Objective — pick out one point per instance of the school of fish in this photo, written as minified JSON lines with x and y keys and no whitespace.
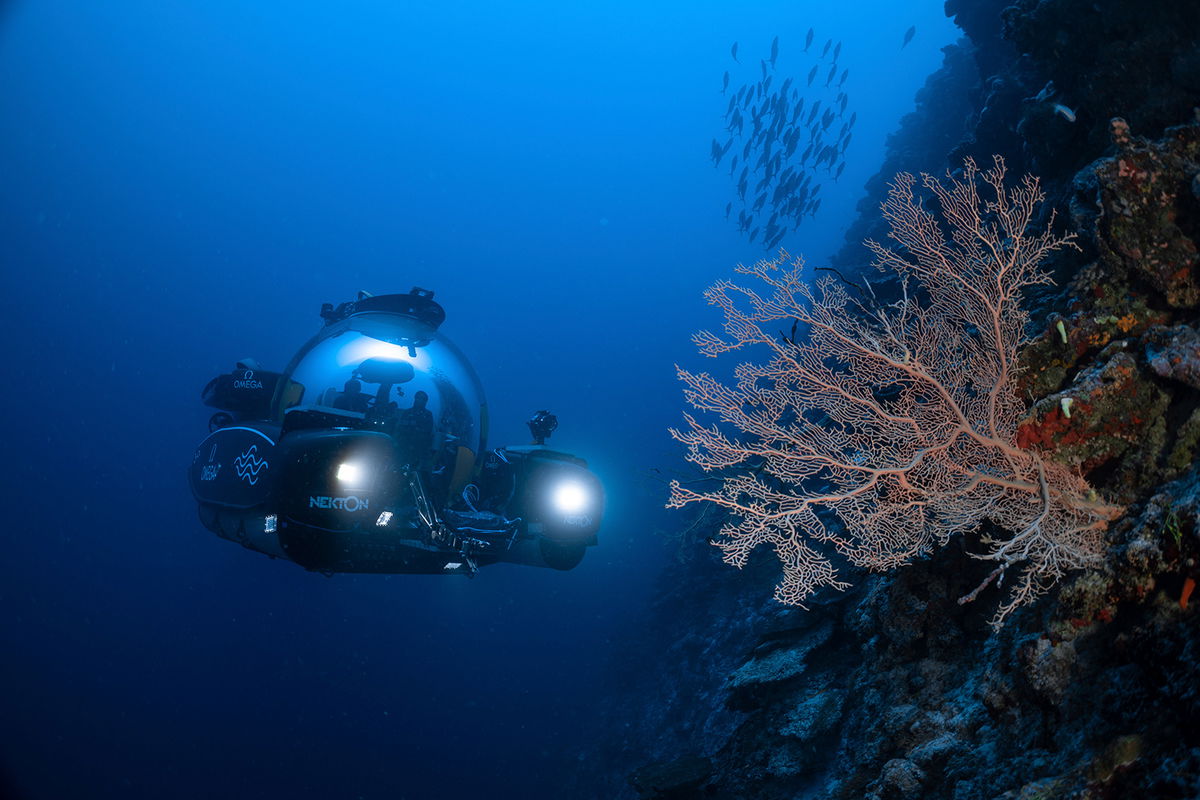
{"x":782,"y":138}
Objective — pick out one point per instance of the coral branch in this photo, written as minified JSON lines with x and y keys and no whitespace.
{"x":884,"y":430}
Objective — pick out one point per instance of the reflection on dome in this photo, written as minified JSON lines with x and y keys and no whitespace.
{"x":360,"y":349}
{"x":353,"y":366}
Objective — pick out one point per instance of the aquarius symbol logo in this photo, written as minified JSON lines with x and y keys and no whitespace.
{"x":248,"y":465}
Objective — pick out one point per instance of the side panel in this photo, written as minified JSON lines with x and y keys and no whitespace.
{"x":235,"y":467}
{"x":253,"y":529}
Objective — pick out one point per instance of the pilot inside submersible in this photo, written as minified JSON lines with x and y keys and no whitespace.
{"x":369,"y":453}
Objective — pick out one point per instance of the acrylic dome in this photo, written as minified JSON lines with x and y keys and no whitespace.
{"x":392,"y":356}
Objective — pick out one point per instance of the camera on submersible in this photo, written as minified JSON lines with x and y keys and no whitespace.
{"x":368,"y":453}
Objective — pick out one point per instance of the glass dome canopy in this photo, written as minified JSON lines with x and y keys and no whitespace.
{"x":385,"y":350}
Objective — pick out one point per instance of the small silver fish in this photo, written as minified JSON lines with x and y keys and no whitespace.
{"x":1064,"y":112}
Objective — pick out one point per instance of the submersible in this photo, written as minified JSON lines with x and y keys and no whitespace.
{"x":368,"y":453}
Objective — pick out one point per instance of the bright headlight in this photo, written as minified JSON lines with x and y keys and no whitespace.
{"x":349,"y":472}
{"x":570,"y":497}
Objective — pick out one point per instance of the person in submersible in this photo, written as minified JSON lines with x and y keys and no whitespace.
{"x":414,"y":430}
{"x":352,"y":398}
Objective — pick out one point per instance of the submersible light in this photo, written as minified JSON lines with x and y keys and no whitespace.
{"x":349,"y":472}
{"x":570,"y":497}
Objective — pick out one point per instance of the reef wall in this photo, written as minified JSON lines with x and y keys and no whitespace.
{"x":893,"y":689}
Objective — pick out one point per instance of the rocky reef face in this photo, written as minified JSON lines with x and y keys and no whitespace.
{"x":894,"y":689}
{"x":898,"y":692}
{"x":1116,"y":367}
{"x":1037,"y":82}
{"x":1118,"y":58}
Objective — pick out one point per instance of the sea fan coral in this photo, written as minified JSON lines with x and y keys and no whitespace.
{"x":885,"y":429}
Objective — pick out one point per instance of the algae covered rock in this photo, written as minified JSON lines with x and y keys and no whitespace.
{"x":1112,"y":415}
{"x":1048,"y":668}
{"x":814,"y":715}
{"x":1175,"y":353}
{"x":901,"y":779}
{"x":1145,"y":199}
{"x":774,"y":663}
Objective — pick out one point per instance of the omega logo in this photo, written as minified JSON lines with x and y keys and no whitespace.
{"x":247,"y":381}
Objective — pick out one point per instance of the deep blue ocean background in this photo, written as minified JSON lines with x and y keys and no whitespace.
{"x":182,"y":184}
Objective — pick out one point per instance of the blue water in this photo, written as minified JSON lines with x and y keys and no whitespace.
{"x":182,"y":185}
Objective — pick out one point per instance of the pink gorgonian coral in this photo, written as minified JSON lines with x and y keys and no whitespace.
{"x":877,"y":431}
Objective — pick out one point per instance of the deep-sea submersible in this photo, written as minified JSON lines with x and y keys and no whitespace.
{"x":369,"y":454}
